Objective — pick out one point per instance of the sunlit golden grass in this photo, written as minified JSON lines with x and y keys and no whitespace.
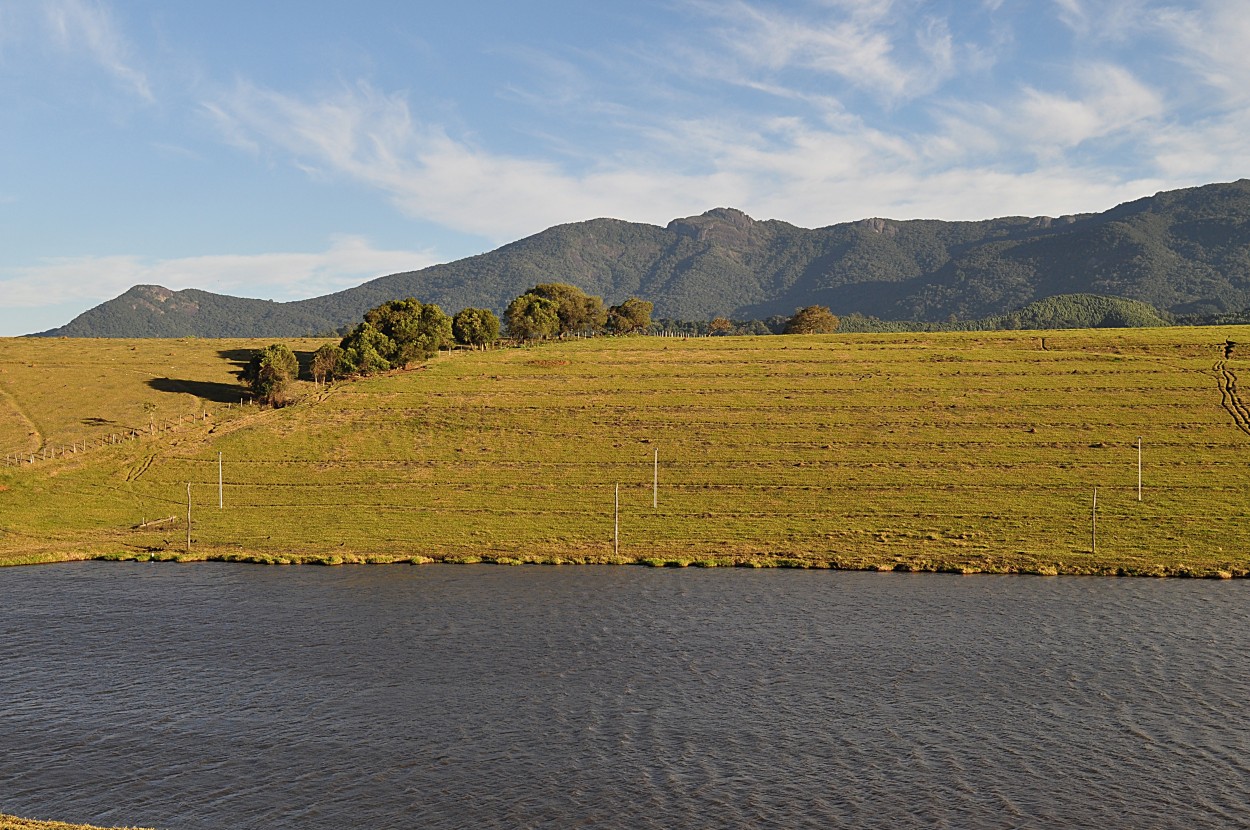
{"x":15,"y":823}
{"x":956,"y":452}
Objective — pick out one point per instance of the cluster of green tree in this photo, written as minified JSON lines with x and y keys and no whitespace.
{"x":815,"y":319}
{"x":398,"y":333}
{"x":1230,"y":318}
{"x":723,"y":326}
{"x":719,"y":326}
{"x":395,"y":333}
{"x":1068,"y":311}
{"x":552,"y":309}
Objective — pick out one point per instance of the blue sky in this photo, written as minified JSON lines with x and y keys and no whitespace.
{"x":288,"y":149}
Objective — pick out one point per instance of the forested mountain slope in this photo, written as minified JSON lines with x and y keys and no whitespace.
{"x":1183,"y":251}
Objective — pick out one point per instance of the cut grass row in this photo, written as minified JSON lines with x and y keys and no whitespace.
{"x":955,"y":452}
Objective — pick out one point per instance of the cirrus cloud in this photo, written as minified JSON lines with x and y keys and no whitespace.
{"x":80,"y":25}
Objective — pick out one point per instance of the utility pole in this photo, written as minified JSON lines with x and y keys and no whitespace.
{"x":1139,"y":468}
{"x":1093,"y":525}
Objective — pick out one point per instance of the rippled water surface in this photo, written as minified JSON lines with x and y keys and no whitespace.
{"x":214,"y":696}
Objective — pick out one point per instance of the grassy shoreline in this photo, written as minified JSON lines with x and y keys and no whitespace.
{"x":8,"y":822}
{"x":990,"y":565}
{"x":947,"y":452}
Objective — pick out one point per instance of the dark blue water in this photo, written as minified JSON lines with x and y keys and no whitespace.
{"x":212,"y":696}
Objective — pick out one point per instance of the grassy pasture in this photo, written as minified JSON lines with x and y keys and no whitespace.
{"x":954,"y":452}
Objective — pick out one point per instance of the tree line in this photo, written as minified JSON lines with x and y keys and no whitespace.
{"x":400,"y":333}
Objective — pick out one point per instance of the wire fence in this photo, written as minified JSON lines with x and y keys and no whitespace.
{"x":51,"y":452}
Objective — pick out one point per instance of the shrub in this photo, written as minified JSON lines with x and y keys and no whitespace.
{"x":270,"y":372}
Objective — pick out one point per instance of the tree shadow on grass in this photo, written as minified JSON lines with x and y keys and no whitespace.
{"x":206,"y":390}
{"x":305,"y":365}
{"x":238,"y":357}
{"x":241,"y":357}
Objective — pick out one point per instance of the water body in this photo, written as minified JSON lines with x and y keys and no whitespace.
{"x":212,"y":696}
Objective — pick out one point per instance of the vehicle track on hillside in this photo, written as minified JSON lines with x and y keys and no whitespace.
{"x":245,"y":421}
{"x":1229,"y":399}
{"x":36,"y":432}
{"x":142,"y":467}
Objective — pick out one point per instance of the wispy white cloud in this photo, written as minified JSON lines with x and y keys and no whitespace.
{"x":1107,"y":100}
{"x":90,"y":27}
{"x":372,"y":137}
{"x":347,"y":262}
{"x":781,"y":167}
{"x":1199,"y":150}
{"x":1109,"y":20}
{"x":874,"y":46}
{"x":1116,"y":102}
{"x":178,"y":151}
{"x":1073,"y":14}
{"x":1197,"y":50}
{"x":935,"y":40}
{"x":1211,"y":42}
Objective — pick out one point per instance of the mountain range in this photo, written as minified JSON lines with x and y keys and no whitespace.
{"x":1184,"y":252}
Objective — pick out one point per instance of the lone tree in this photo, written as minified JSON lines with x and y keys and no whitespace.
{"x":630,"y":316}
{"x":720,"y":325}
{"x":530,"y":316}
{"x":475,"y":327}
{"x":577,"y":310}
{"x":270,"y":372}
{"x":815,"y":319}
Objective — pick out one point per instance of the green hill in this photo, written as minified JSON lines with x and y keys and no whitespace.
{"x":1077,"y":311}
{"x":1185,"y":252}
{"x":954,"y":451}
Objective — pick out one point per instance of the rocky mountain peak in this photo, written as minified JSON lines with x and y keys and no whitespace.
{"x":727,"y":226}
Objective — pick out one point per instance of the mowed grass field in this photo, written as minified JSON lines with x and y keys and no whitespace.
{"x":959,"y":452}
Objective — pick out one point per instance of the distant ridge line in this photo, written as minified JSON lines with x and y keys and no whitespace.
{"x":1184,"y":252}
